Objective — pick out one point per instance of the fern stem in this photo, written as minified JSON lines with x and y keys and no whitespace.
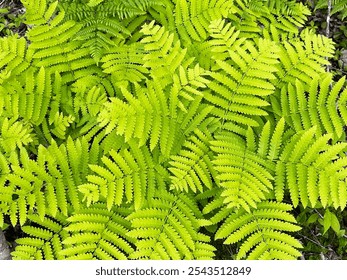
{"x":327,"y":31}
{"x":339,"y":70}
{"x":4,"y":248}
{"x":313,"y":241}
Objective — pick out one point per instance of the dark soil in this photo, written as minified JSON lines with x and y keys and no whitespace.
{"x":16,"y":10}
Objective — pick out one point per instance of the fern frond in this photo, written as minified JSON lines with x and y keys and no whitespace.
{"x":131,"y":8}
{"x":63,"y":33}
{"x":303,"y":58}
{"x":14,"y":134}
{"x":153,"y":116}
{"x":97,"y":35}
{"x":164,"y":53}
{"x":192,"y":18}
{"x":79,"y":10}
{"x":29,"y":98}
{"x":98,"y":233}
{"x":192,"y":167}
{"x":125,"y":63}
{"x":13,"y":55}
{"x":128,"y":175}
{"x":42,"y":184}
{"x":239,"y":87}
{"x":255,"y":17}
{"x":319,"y":106}
{"x":89,"y":102}
{"x":142,"y":118}
{"x":308,"y":168}
{"x":168,"y":229}
{"x":244,"y":175}
{"x":43,"y":240}
{"x":59,"y":124}
{"x":59,"y":50}
{"x":93,"y":3}
{"x":38,"y":12}
{"x":262,"y":232}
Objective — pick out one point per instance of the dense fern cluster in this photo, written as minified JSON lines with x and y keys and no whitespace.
{"x":149,"y":129}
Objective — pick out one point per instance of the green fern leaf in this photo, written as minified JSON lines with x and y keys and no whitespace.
{"x":244,"y":175}
{"x":97,"y":233}
{"x":38,"y":12}
{"x":168,"y":229}
{"x":130,"y":175}
{"x":303,"y":59}
{"x":13,"y":55}
{"x":164,"y":53}
{"x":306,"y":167}
{"x":192,"y":17}
{"x":192,"y":168}
{"x":125,"y":63}
{"x":14,"y":134}
{"x":242,"y":82}
{"x":263,"y":228}
{"x":318,"y":109}
{"x":43,"y":239}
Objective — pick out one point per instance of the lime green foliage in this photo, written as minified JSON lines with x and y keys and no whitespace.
{"x":152,"y":129}
{"x":263,"y":231}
